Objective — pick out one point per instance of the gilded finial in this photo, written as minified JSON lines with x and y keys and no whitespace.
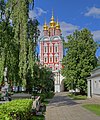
{"x":52,"y":18}
{"x":45,"y":25}
{"x":57,"y":24}
{"x":52,"y":22}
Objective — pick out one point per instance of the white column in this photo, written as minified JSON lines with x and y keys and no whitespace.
{"x":89,"y":94}
{"x":91,"y":88}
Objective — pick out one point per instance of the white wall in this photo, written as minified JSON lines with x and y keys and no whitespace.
{"x":96,"y":85}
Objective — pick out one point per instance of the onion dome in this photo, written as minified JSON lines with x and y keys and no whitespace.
{"x":57,"y":25}
{"x":52,"y":22}
{"x":45,"y":27}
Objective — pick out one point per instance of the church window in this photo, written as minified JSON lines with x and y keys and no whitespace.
{"x":56,"y":59}
{"x":45,"y":50}
{"x":50,"y":59}
{"x":50,"y":48}
{"x":56,"y":49}
{"x":45,"y":59}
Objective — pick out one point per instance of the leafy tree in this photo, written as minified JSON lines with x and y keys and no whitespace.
{"x":32,"y":42}
{"x":18,"y":40}
{"x":19,"y":16}
{"x":79,"y":60}
{"x":7,"y":44}
{"x":42,"y":78}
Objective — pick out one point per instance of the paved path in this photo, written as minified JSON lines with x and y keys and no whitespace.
{"x":63,"y":108}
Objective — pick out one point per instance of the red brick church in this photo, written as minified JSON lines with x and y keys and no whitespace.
{"x":51,"y":50}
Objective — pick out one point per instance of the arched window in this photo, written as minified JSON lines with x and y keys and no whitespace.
{"x":56,"y":48}
{"x":56,"y":59}
{"x":50,"y":59}
{"x":45,"y":49}
{"x":50,"y":49}
{"x":45,"y":59}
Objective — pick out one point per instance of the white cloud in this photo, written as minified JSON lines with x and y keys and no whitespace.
{"x":95,"y":12}
{"x":96,"y":35}
{"x":67,"y":29}
{"x":40,"y":11}
{"x":36,"y":13}
{"x":32,"y":14}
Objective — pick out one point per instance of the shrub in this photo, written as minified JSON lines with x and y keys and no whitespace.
{"x":50,"y":95}
{"x":16,"y":110}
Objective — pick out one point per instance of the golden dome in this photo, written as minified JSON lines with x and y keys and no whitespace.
{"x":52,"y":22}
{"x":57,"y":25}
{"x":45,"y":27}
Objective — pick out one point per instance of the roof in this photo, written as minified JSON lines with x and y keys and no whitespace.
{"x":98,"y":67}
{"x":94,"y":73}
{"x":47,"y":38}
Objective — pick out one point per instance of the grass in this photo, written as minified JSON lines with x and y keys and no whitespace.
{"x":95,"y":108}
{"x":77,"y":97}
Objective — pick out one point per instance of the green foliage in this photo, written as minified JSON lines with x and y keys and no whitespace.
{"x":7,"y":45}
{"x":79,"y":60}
{"x":93,"y":107}
{"x":77,"y":97}
{"x":42,"y":78}
{"x":39,"y":117}
{"x":50,"y":95}
{"x":16,"y":109}
{"x":17,"y":47}
{"x":31,"y":47}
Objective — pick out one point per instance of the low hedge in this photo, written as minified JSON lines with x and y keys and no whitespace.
{"x":16,"y":110}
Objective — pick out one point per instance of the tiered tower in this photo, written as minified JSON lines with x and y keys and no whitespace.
{"x":51,"y":50}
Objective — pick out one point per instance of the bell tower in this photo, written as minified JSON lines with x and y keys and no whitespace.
{"x":51,"y":50}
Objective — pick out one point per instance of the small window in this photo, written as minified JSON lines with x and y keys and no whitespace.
{"x":56,"y":49}
{"x":50,"y":59}
{"x":45,"y":50}
{"x":56,"y":59}
{"x":45,"y":60}
{"x":50,"y":48}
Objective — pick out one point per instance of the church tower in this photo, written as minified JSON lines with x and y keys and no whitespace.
{"x":51,"y":50}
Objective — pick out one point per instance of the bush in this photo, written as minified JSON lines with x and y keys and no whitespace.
{"x":50,"y":95}
{"x":16,"y":110}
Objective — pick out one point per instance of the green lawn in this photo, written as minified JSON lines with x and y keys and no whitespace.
{"x":93,"y":107}
{"x":77,"y":97}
